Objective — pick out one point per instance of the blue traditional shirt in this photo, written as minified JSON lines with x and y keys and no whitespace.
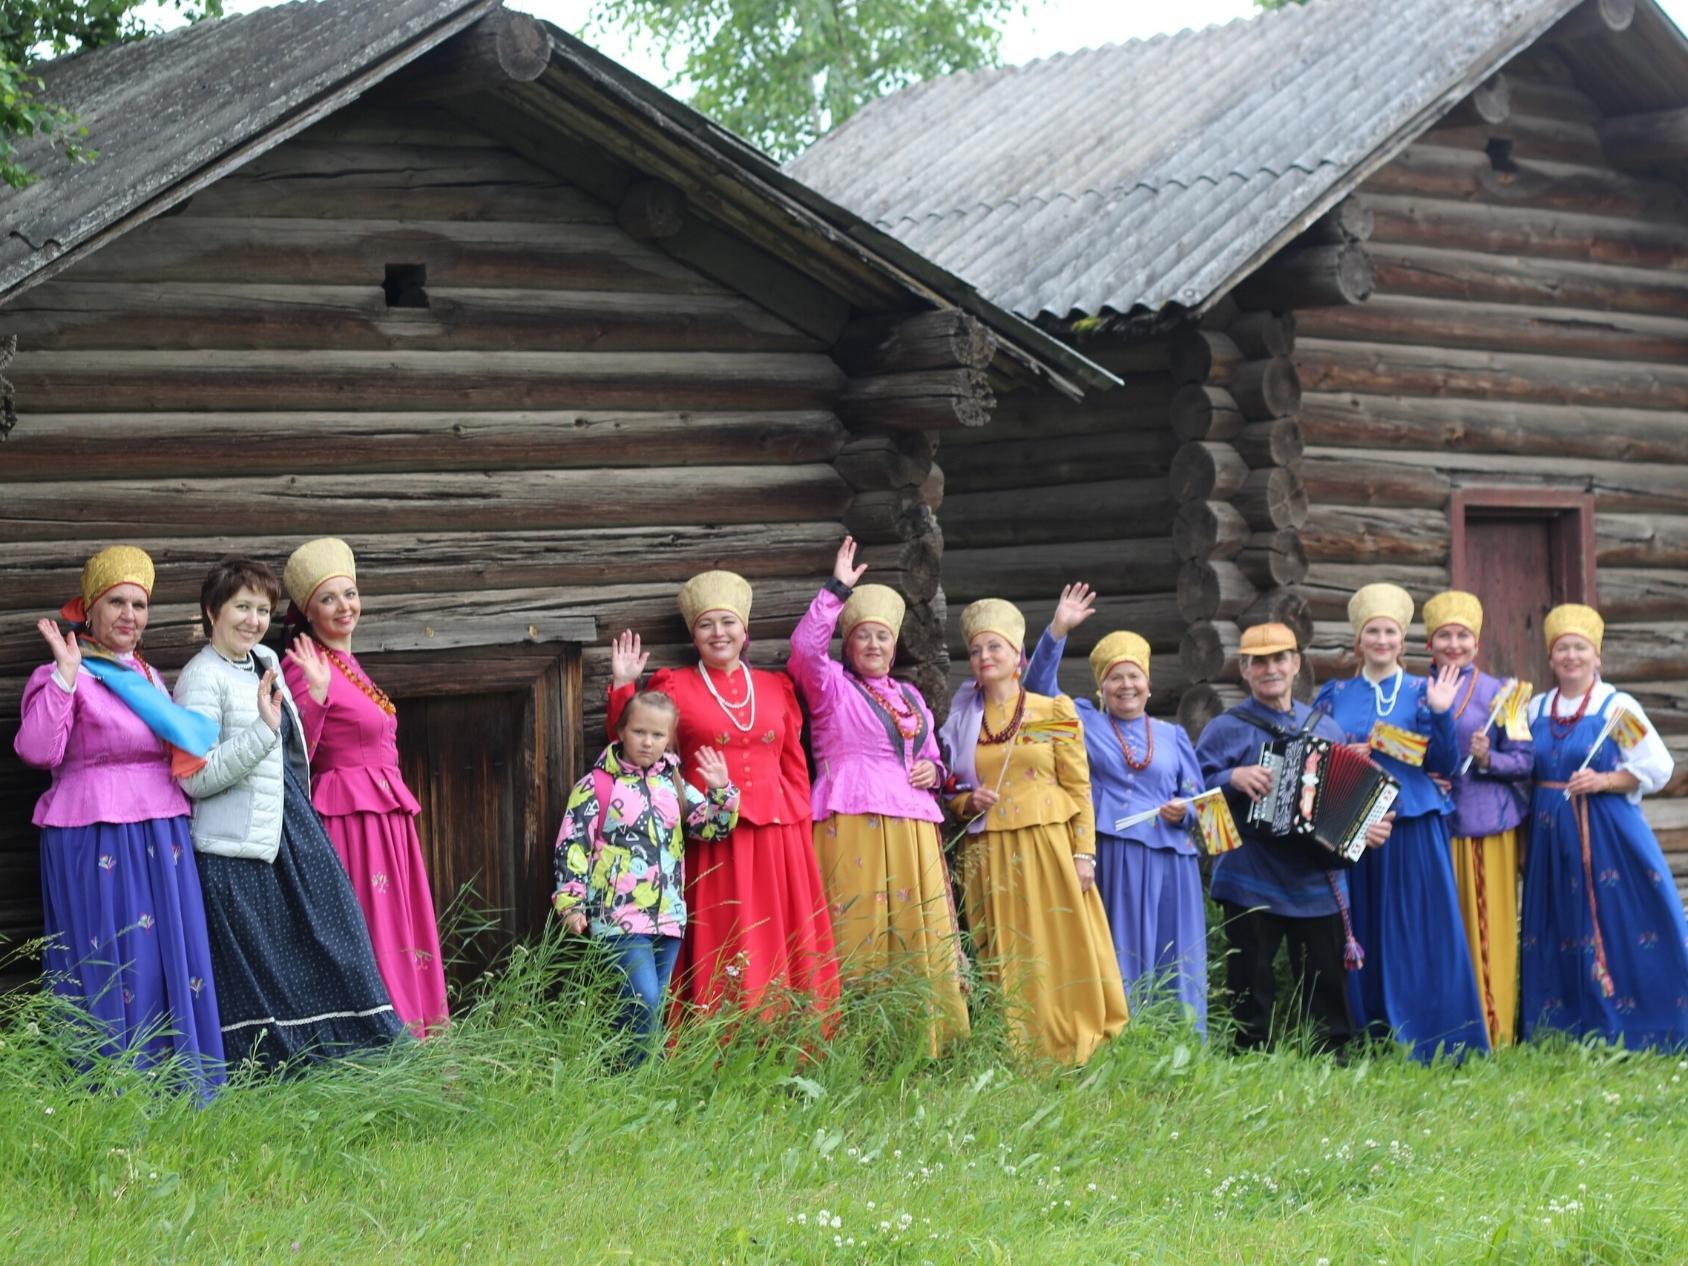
{"x":1283,"y":878}
{"x":1354,"y":705}
{"x":1117,"y":790}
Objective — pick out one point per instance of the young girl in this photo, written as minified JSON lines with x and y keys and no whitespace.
{"x":619,"y":853}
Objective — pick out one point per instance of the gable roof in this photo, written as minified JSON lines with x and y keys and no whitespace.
{"x":174,"y":112}
{"x":1157,"y":174}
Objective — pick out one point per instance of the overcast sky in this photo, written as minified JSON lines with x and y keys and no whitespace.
{"x":1048,"y":26}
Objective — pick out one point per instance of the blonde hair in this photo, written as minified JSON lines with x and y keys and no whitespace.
{"x":650,"y":699}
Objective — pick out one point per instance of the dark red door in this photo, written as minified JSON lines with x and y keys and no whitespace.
{"x":1509,"y":567}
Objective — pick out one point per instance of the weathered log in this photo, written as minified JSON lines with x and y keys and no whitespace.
{"x":502,"y":49}
{"x":533,"y":500}
{"x":1665,"y":702}
{"x":1201,"y":412}
{"x":1200,"y":704}
{"x":299,"y":251}
{"x":1489,"y":105}
{"x":1213,"y":590}
{"x":737,"y":261}
{"x":1644,"y":540}
{"x":1262,"y":335}
{"x":1504,"y":327}
{"x":1044,"y":414}
{"x":1485,"y":229}
{"x":1036,"y":571}
{"x":1343,"y":533}
{"x":1407,"y":478}
{"x":165,"y":445}
{"x":166,"y":317}
{"x":1208,"y":651}
{"x":1473,"y":276}
{"x":1592,"y":18}
{"x":1204,"y":471}
{"x":932,"y":489}
{"x":1537,"y":138}
{"x":1349,"y":420}
{"x":944,"y":338}
{"x":877,"y":462}
{"x":1265,"y":389}
{"x":1348,"y":221}
{"x":1281,"y":606}
{"x":1059,"y":459}
{"x":1153,"y":617}
{"x":919,"y":400}
{"x":131,"y":382}
{"x":1115,"y":508}
{"x":1382,"y":369}
{"x":40,"y":573}
{"x":1329,"y":585}
{"x":1271,"y":499}
{"x":1275,"y":443}
{"x":1434,"y":171}
{"x":897,"y":514}
{"x":651,"y":210}
{"x":1128,"y":359}
{"x":1272,"y":559}
{"x":1311,"y":277}
{"x":1640,"y":140}
{"x":1208,"y":529}
{"x":1198,"y":356}
{"x":1643,"y":594}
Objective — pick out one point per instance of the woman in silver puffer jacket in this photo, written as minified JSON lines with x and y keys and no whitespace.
{"x":296,"y":977}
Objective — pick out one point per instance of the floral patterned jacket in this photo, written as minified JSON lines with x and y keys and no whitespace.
{"x":620,"y":851}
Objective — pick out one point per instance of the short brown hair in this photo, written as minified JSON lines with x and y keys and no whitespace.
{"x":228,"y":578}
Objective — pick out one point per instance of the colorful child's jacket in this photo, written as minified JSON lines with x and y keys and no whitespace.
{"x":619,"y":852}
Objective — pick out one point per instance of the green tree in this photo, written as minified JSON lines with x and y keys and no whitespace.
{"x":36,"y":30}
{"x":785,"y":72}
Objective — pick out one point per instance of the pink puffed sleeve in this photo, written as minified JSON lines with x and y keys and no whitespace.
{"x":49,"y":711}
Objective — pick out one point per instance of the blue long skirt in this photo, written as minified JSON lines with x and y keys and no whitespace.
{"x":126,"y":941}
{"x":297,"y":980}
{"x":1643,"y":938}
{"x":1417,"y":983}
{"x":1158,"y":921}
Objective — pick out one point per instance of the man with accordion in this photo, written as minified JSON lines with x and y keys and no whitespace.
{"x":1286,"y":887}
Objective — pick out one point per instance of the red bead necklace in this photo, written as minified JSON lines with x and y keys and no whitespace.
{"x":907,"y":720}
{"x":991,"y":737}
{"x":1562,"y":726}
{"x":371,"y":691}
{"x":1125,"y":748}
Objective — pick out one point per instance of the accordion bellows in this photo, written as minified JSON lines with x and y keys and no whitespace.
{"x":1324,"y":792}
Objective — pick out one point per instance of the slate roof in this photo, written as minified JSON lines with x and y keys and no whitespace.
{"x":1158,"y":173}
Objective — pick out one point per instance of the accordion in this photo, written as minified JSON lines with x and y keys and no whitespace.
{"x":1322,"y":792}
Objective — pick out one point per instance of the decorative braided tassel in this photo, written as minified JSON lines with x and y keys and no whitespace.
{"x":1353,"y":956}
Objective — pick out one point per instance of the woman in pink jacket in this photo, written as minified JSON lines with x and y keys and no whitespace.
{"x":877,"y":767}
{"x":351,"y":735}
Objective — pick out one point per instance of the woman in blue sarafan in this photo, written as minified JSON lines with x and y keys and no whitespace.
{"x":1604,"y":942}
{"x":1416,"y":983}
{"x":1148,"y":874}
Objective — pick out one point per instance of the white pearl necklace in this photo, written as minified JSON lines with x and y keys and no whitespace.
{"x":749,"y":698}
{"x":1385,"y":708}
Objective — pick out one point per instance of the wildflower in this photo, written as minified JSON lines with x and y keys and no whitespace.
{"x":48,"y":1111}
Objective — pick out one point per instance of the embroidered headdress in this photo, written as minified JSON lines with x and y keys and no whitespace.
{"x":115,"y":565}
{"x":1380,"y":601}
{"x":1573,"y":617}
{"x":1117,"y":648}
{"x":994,"y":615}
{"x":1454,"y":606}
{"x":875,"y":604}
{"x":313,"y":563}
{"x":715,"y":591}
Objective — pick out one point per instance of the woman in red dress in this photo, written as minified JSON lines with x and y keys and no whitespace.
{"x":759,"y":927}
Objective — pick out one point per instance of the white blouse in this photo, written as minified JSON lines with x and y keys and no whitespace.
{"x":1649,"y":760}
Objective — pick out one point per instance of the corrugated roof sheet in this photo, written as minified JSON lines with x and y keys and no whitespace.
{"x":1159,"y":172}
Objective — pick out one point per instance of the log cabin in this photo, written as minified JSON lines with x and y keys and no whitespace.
{"x":1398,"y":290}
{"x":536,"y":339}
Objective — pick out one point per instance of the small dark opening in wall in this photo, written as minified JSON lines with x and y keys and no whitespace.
{"x":405,"y":286}
{"x":1500,"y":154}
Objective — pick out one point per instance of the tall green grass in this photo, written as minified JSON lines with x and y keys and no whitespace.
{"x":513,"y":1138}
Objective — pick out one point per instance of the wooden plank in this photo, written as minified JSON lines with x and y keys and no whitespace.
{"x":40,"y":575}
{"x":1484,"y":278}
{"x":1345,"y":533}
{"x":1563,"y":235}
{"x":1437,"y":171}
{"x":282,"y":251}
{"x":164,"y":316}
{"x":1650,"y":540}
{"x":1125,"y":508}
{"x":127,"y":382}
{"x":1056,"y":460}
{"x":1329,"y":585}
{"x":1331,"y":365}
{"x":165,"y":445}
{"x":1034,"y":571}
{"x":515,"y":500}
{"x":1355,"y":420}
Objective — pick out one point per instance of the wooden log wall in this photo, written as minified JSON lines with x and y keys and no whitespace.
{"x":524,"y":417}
{"x":1529,"y":329}
{"x":1048,"y":492}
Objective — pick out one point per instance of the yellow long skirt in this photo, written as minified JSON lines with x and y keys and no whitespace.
{"x":1042,"y":942}
{"x":892,"y":913}
{"x":1486,"y":870}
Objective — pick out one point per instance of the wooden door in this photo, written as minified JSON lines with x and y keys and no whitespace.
{"x":492,"y":771}
{"x":1522,"y":553}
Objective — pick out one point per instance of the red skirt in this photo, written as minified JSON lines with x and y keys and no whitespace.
{"x":757,"y":927}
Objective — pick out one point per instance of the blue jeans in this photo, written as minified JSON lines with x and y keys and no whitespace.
{"x":645,"y":963}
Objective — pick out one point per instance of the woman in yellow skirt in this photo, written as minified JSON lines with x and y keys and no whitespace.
{"x":1029,"y":867}
{"x":875,"y":808}
{"x":1489,"y":804}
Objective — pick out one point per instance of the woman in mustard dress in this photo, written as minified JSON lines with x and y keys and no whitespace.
{"x":1029,"y":865}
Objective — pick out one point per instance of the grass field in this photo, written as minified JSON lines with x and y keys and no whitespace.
{"x":511,"y":1139}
